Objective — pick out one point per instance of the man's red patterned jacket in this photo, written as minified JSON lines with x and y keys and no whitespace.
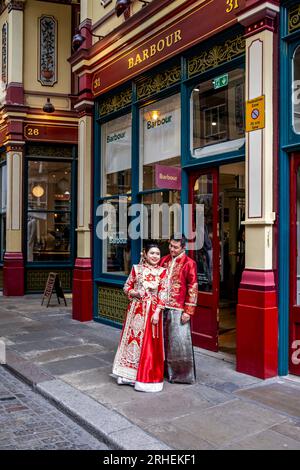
{"x":182,"y":283}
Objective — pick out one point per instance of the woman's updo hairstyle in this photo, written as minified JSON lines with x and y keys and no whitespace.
{"x":150,"y":245}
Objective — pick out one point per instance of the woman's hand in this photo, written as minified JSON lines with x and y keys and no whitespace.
{"x":155,"y":318}
{"x":135,"y":294}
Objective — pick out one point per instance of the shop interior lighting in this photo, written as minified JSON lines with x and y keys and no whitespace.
{"x":155,"y":115}
{"x":38,"y":191}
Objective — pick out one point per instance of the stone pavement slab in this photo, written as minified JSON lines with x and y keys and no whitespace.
{"x":28,"y":371}
{"x":89,"y":379}
{"x":67,"y":366}
{"x":280,"y":396}
{"x":266,"y":440}
{"x":63,"y":353}
{"x":222,"y":424}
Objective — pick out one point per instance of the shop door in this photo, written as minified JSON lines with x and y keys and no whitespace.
{"x":204,"y":200}
{"x":295,"y":267}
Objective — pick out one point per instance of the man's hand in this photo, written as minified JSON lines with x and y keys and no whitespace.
{"x":155,"y":318}
{"x":185,"y":317}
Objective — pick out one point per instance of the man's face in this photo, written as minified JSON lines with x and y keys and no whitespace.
{"x":175,"y":248}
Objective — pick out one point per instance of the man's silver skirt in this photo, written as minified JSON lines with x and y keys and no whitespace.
{"x":179,"y":353}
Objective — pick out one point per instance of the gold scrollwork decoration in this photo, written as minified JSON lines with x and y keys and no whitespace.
{"x":216,"y":56}
{"x":158,"y":82}
{"x":112,"y":303}
{"x":115,"y":102}
{"x":294,"y":18}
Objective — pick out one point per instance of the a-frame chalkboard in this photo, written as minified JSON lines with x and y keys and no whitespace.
{"x":53,"y":282}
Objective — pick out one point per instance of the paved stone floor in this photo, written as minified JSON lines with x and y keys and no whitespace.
{"x":223,"y":410}
{"x":28,"y":421}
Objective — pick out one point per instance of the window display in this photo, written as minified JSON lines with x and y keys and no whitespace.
{"x":217,"y":110}
{"x":159,"y":139}
{"x":48,"y":211}
{"x":116,"y":156}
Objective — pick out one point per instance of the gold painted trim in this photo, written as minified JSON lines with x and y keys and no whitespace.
{"x":159,"y":82}
{"x":294,"y":18}
{"x":216,"y":56}
{"x":53,"y":118}
{"x":115,"y":102}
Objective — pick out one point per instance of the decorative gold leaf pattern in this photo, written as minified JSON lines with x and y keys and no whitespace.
{"x":36,"y":279}
{"x":112,"y":304}
{"x":294,"y":18}
{"x":216,"y":56}
{"x":158,"y":82}
{"x":115,"y":102}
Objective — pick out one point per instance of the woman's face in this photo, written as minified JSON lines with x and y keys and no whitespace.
{"x":153,"y":256}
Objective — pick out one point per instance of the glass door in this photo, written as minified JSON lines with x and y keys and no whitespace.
{"x":205,"y":251}
{"x":294,"y":366}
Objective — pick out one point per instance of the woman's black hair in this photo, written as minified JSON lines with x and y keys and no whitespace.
{"x":150,"y":245}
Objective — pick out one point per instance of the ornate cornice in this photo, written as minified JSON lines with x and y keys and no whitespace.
{"x":115,"y":102}
{"x":15,"y":5}
{"x":216,"y":56}
{"x":294,"y":18}
{"x":15,"y":147}
{"x":158,"y":82}
{"x":260,"y":17}
{"x":3,"y":6}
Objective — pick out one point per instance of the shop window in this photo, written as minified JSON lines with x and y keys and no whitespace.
{"x":49,"y":211}
{"x":159,"y":143}
{"x":3,"y":200}
{"x":217,"y":115}
{"x":113,"y":230}
{"x":296,"y":87}
{"x":116,"y":156}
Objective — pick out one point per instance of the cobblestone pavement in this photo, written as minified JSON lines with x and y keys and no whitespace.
{"x":28,"y":421}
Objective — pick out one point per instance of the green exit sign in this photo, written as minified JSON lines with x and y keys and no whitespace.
{"x":220,"y":81}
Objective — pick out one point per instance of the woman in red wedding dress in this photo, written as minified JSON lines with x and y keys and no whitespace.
{"x":139,"y":359}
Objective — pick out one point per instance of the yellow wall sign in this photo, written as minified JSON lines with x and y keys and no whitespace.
{"x":255,"y":114}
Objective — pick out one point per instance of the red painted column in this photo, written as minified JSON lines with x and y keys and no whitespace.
{"x":13,"y":274}
{"x":257,"y":325}
{"x":82,"y":276}
{"x":82,"y":308}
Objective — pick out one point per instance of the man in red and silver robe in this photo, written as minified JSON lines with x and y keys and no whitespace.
{"x":182,"y":292}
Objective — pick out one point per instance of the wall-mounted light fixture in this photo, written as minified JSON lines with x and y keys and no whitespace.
{"x":48,"y":107}
{"x":78,"y":39}
{"x":122,"y":5}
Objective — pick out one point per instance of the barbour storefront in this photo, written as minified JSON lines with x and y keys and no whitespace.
{"x":169,"y":118}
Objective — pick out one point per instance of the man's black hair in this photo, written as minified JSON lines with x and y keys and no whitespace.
{"x":179,"y":238}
